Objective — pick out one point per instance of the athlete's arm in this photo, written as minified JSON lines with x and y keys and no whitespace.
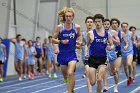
{"x":55,"y":48}
{"x":55,"y":35}
{"x":13,"y":40}
{"x":115,"y":38}
{"x":110,"y":41}
{"x":133,"y":38}
{"x":34,"y":53}
{"x":78,"y":40}
{"x":125,"y":40}
{"x":42,"y":51}
{"x":88,"y":37}
{"x":136,"y":43}
{"x":25,"y":51}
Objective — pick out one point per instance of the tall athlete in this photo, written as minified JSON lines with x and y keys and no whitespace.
{"x":51,"y":58}
{"x":135,"y":50}
{"x":89,"y":25}
{"x":66,"y":35}
{"x":20,"y":54}
{"x":111,"y":54}
{"x":97,"y":39}
{"x":115,"y":23}
{"x":127,"y":53}
{"x":39,"y":56}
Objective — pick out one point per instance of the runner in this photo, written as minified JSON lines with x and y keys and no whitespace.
{"x":135,"y":50}
{"x":89,"y":25}
{"x":97,"y":39}
{"x":20,"y":51}
{"x":66,"y":35}
{"x":31,"y":59}
{"x":127,"y":53}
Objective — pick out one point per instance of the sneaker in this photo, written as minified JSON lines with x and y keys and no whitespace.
{"x":72,"y":91}
{"x":50,"y":76}
{"x":24,"y":76}
{"x":128,"y":82}
{"x":36,"y":73}
{"x":20,"y":79}
{"x":105,"y":90}
{"x":115,"y":89}
{"x":83,"y":76}
{"x":55,"y":75}
{"x":32,"y":78}
{"x":42,"y":74}
{"x":65,"y":81}
{"x":131,"y":80}
{"x":134,"y":80}
{"x":47,"y":72}
{"x":1,"y":79}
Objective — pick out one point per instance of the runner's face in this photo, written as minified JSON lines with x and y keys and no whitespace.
{"x":107,"y":25}
{"x":98,"y":23}
{"x":50,"y":40}
{"x":89,"y":24}
{"x":115,"y":25}
{"x":45,"y":40}
{"x":124,"y":27}
{"x":133,"y":30}
{"x":30,"y":43}
{"x":69,"y":17}
{"x":19,"y":38}
{"x":38,"y":39}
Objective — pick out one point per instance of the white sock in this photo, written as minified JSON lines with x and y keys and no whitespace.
{"x":116,"y":88}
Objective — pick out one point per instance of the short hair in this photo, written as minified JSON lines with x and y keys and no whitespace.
{"x":49,"y":36}
{"x":29,"y":41}
{"x":37,"y":37}
{"x":98,"y":16}
{"x":0,"y":38}
{"x":115,"y":19}
{"x":18,"y":35}
{"x":124,"y":23}
{"x":132,"y":27}
{"x":89,"y":17}
{"x":23,"y":39}
{"x":106,"y":20}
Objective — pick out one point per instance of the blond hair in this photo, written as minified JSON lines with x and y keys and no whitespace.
{"x":62,"y":12}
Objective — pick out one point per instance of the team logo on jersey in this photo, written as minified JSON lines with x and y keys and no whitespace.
{"x":72,"y":35}
{"x":105,"y":40}
{"x":102,"y":40}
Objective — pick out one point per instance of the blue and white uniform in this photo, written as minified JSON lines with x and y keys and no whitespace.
{"x":111,"y":54}
{"x":129,"y":50}
{"x":31,"y":57}
{"x":50,"y":53}
{"x":19,"y":51}
{"x":67,"y":52}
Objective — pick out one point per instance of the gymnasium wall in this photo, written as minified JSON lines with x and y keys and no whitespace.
{"x":124,"y":10}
